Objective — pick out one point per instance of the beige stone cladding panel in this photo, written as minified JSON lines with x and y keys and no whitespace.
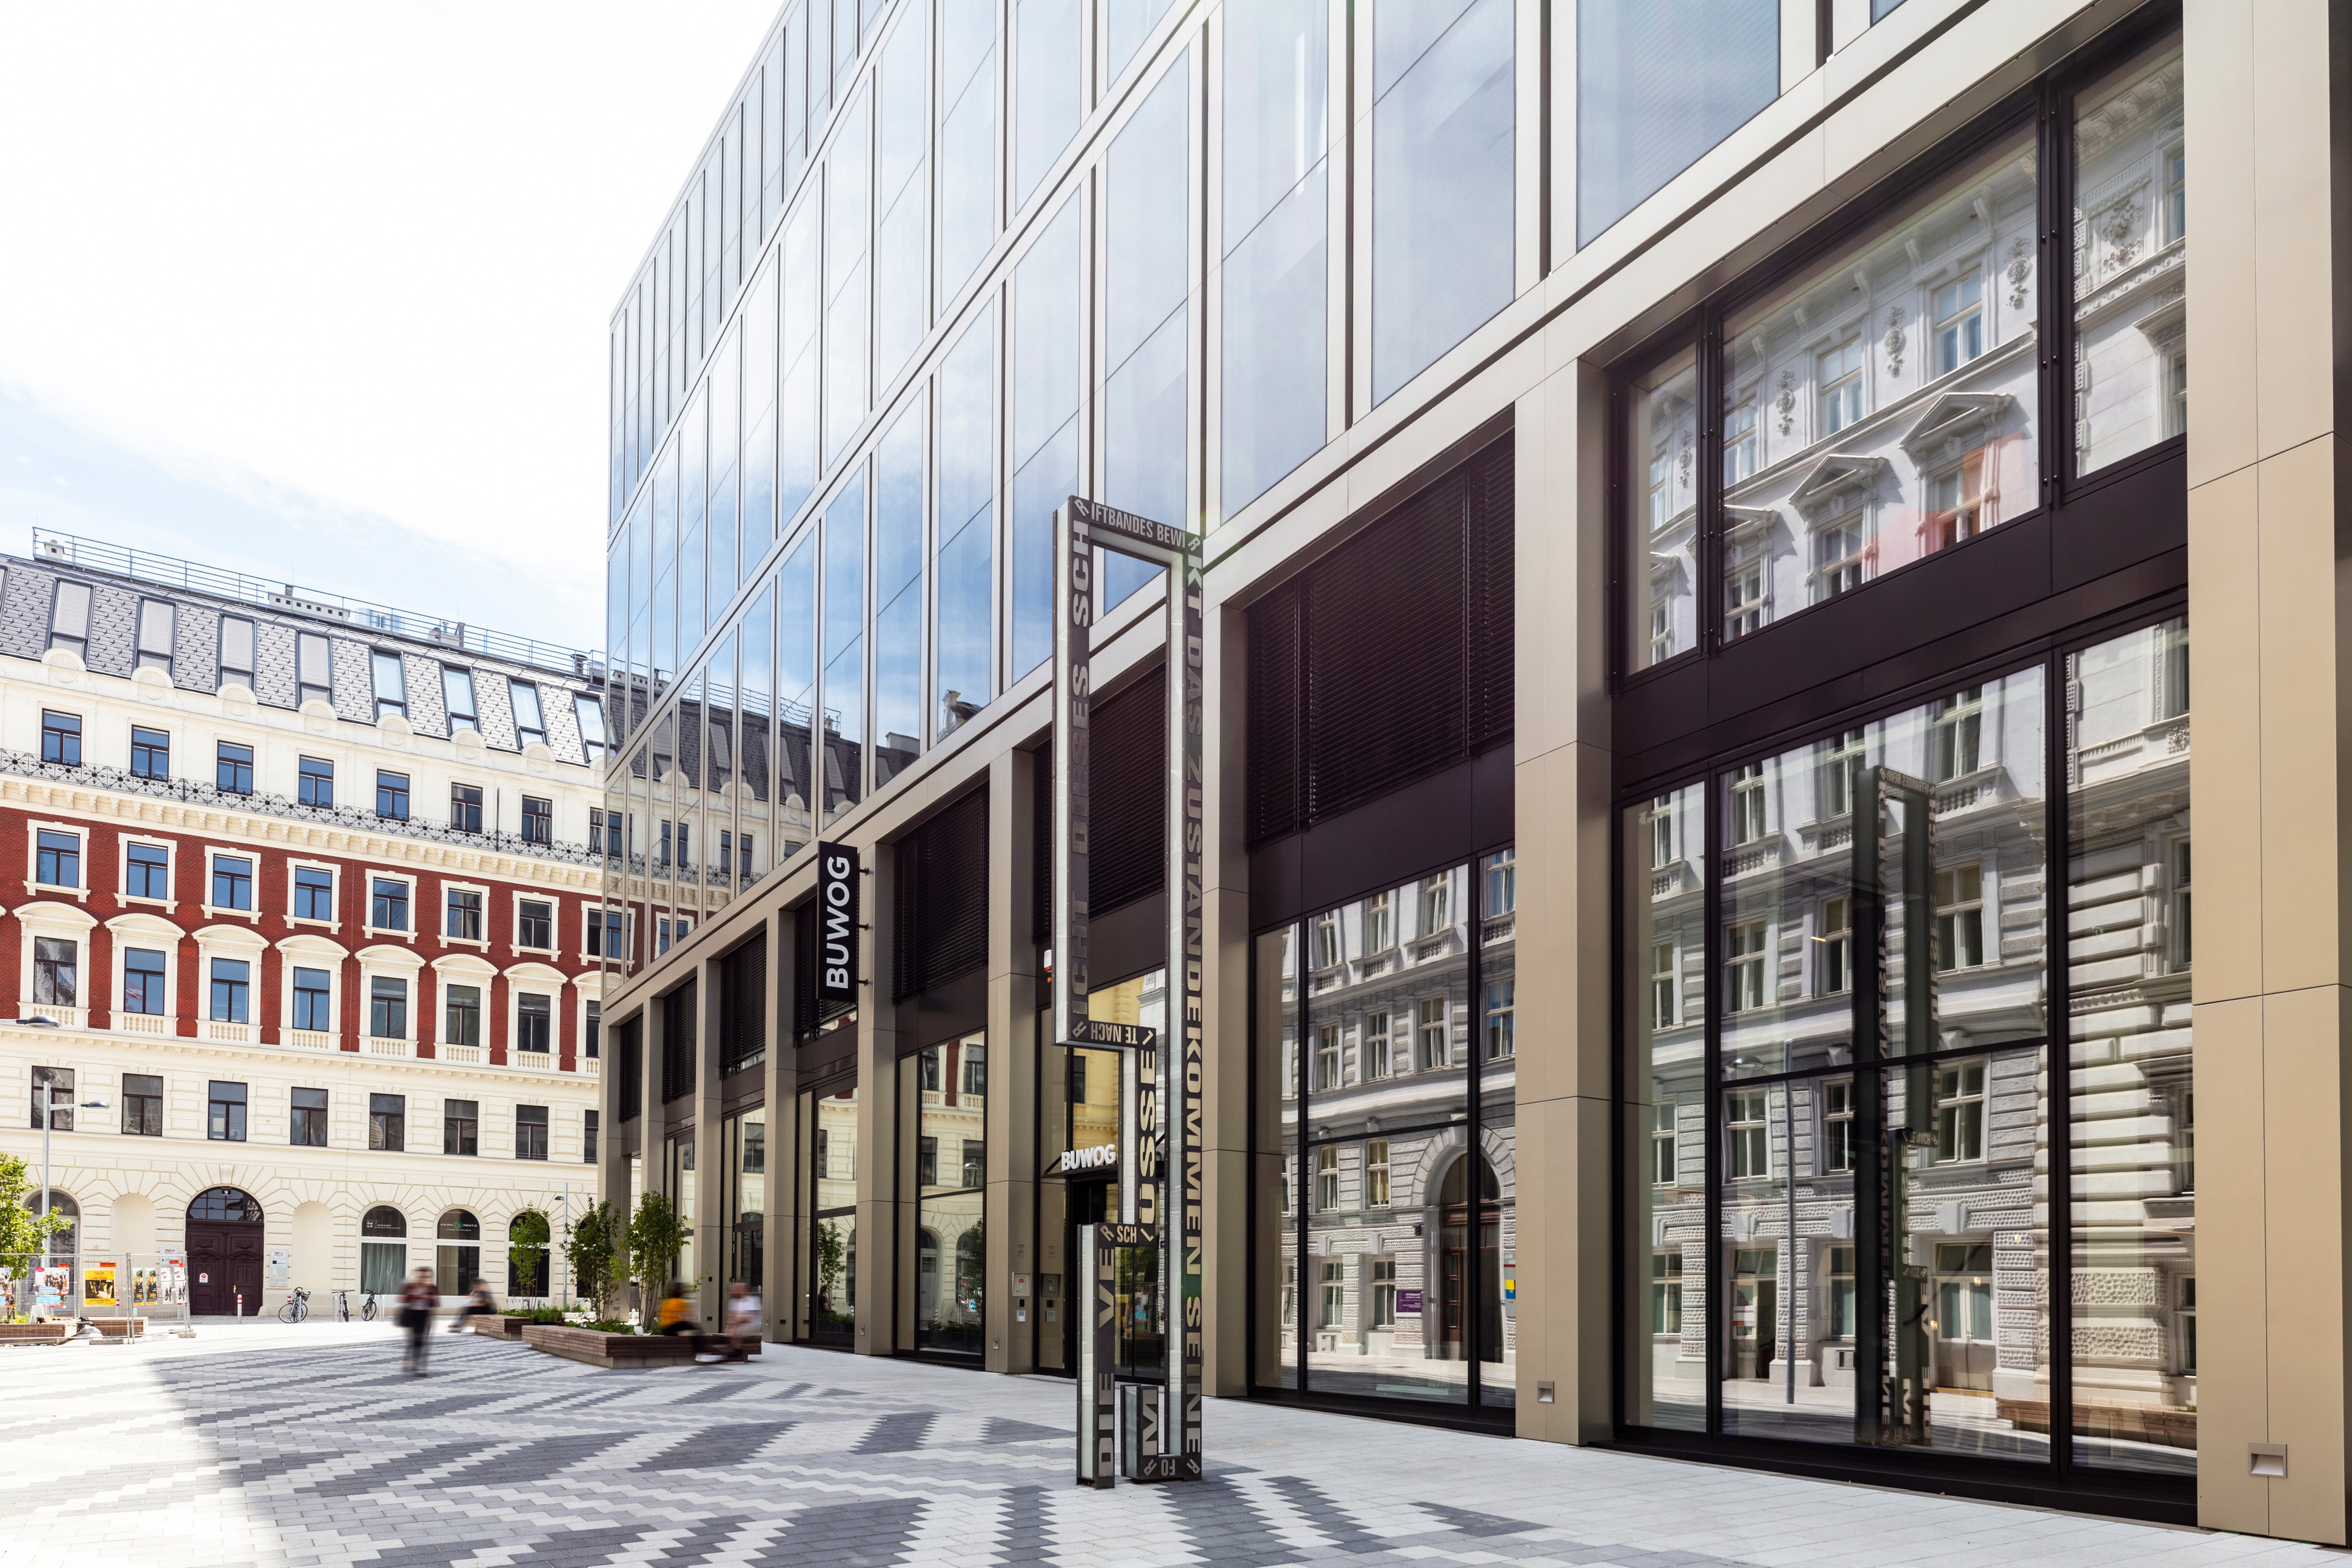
{"x":2225,"y":773}
{"x":2301,"y":620}
{"x":2302,"y":1213}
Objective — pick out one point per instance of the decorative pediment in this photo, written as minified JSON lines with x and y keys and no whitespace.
{"x":2166,"y":325}
{"x":1742,"y":524}
{"x":1836,"y":482}
{"x":1953,"y":423}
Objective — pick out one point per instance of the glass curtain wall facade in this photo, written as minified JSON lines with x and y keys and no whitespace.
{"x":1879,"y":981}
{"x":1386,"y":1039}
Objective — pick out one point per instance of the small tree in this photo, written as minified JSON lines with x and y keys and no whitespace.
{"x":832,"y":1261}
{"x":24,"y":1235}
{"x":527,"y":1248}
{"x":656,"y":1237}
{"x":591,"y":1253}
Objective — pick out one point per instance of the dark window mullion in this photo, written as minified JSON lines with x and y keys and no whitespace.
{"x":1709,"y":414}
{"x":2054,"y":155}
{"x":2058,"y":1053}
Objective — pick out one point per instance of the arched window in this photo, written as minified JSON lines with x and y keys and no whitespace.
{"x":1455,"y":1190}
{"x":459,"y":1225}
{"x":225,"y":1204}
{"x":384,"y":1249}
{"x":458,"y":1260}
{"x":530,"y":1281}
{"x":63,"y":1244}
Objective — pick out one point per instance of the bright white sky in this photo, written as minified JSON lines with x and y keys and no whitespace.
{"x":319,"y":291}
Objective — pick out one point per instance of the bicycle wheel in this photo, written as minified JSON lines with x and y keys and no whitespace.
{"x":290,"y":1313}
{"x":367,"y":1313}
{"x":342,"y":1310}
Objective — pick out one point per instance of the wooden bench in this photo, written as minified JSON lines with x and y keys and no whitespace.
{"x":57,"y":1330}
{"x":500,"y":1326}
{"x":620,"y":1349}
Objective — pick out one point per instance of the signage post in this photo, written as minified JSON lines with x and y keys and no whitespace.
{"x":1160,"y":1079}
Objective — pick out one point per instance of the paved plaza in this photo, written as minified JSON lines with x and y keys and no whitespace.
{"x":268,"y":1444}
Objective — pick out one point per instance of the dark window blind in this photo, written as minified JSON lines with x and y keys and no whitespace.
{"x":742,"y":1005}
{"x":940,"y":923}
{"x":808,"y":1013}
{"x":1128,"y":845}
{"x":677,"y":1043}
{"x":631,"y":1059}
{"x":1387,"y":660}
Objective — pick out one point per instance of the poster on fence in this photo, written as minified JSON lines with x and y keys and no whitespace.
{"x":50,"y":1286}
{"x":97,"y":1285}
{"x":142,"y":1287}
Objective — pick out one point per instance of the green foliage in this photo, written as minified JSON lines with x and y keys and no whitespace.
{"x":594,"y":1253}
{"x":539,"y":1315}
{"x":23,"y":1233}
{"x":831,"y":1262}
{"x":610,"y":1325}
{"x":526,"y":1244}
{"x":656,"y":1237}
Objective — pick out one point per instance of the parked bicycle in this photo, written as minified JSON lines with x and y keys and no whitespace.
{"x":342,"y":1306}
{"x":297,"y":1307}
{"x":367,"y":1310}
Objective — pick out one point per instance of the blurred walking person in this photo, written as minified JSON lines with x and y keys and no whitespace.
{"x":416,"y":1300}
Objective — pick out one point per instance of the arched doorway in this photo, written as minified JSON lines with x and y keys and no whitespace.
{"x":1458,"y":1253}
{"x":384,"y":1250}
{"x":224,"y":1253}
{"x":458,"y":1257}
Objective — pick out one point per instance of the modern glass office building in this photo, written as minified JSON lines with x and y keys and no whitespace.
{"x":1704,"y":529}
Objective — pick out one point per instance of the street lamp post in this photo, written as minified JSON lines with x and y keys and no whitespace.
{"x":49,"y":1114}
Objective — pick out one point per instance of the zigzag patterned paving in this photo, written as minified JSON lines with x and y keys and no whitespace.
{"x":284,"y":1447}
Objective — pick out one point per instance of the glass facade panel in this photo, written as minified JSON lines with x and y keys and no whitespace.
{"x":759,"y":524}
{"x":902,"y":201}
{"x":967,"y":529}
{"x":755,"y":723}
{"x":1393,"y":1214}
{"x":1144,"y":430}
{"x":2132,"y":1099}
{"x":1665,"y":1122}
{"x":1657,"y":85}
{"x":796,"y":689}
{"x":693,"y":449}
{"x":1442,"y":191}
{"x":898,"y":597}
{"x":831,"y":1130}
{"x":720,"y":514}
{"x":1883,"y":408}
{"x":967,"y":141}
{"x":1126,"y":24}
{"x":948,"y":1181}
{"x":1662,"y":523}
{"x":1274,"y":333}
{"x":797,"y":400}
{"x":2131,"y":261}
{"x":1048,"y":87}
{"x":1048,"y":371}
{"x":844,"y":647}
{"x":746,"y":1197}
{"x":849,"y":202}
{"x":663,"y":657}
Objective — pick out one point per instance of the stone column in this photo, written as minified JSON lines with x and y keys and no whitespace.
{"x":1010,"y":1207}
{"x":788,"y":1171}
{"x":878,"y":1308}
{"x":1564,"y":772}
{"x":2270,"y":621}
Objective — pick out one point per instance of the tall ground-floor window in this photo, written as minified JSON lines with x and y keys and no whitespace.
{"x":1408,"y":1223}
{"x":943,"y":1094}
{"x":1840,"y":1226}
{"x":828,"y":1219}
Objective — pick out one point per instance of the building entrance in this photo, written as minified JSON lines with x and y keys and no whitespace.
{"x":1455,"y":1259}
{"x":224,"y":1253}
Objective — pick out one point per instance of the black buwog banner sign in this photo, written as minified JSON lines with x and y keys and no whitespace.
{"x":836,"y":933}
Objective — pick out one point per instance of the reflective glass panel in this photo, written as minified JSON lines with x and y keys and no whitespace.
{"x":797,"y":399}
{"x":2133,"y":1093}
{"x":1882,"y":410}
{"x":967,"y":526}
{"x":1046,"y":375}
{"x":1144,"y":428}
{"x":1126,"y":24}
{"x":898,"y":596}
{"x":1664,"y":1119}
{"x":1662,"y":544}
{"x":755,"y":733}
{"x":967,"y":140}
{"x":2131,"y":261}
{"x":1442,"y":178}
{"x":902,"y":238}
{"x":832,"y":1154}
{"x":1273,"y":334}
{"x":951,"y":1173}
{"x":1658,"y":84}
{"x":844,"y":647}
{"x":726,"y":442}
{"x":759,"y":525}
{"x":796,"y":690}
{"x":1048,"y":80}
{"x":847,"y":203}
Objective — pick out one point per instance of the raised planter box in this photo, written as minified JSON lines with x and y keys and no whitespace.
{"x":120,"y":1328}
{"x":501,"y":1327}
{"x":54,"y":1332}
{"x":2128,"y":1423}
{"x":618,"y":1350}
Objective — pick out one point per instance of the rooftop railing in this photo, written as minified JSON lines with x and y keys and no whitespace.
{"x":360,"y":616}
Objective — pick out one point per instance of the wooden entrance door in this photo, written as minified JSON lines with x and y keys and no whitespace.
{"x":223,"y":1259}
{"x":1452,"y":1284}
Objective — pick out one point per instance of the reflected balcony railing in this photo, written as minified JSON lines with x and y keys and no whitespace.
{"x":195,"y":792}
